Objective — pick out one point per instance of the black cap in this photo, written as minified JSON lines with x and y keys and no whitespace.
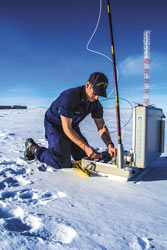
{"x":99,"y":82}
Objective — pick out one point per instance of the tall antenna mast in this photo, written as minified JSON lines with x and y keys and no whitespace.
{"x":120,"y":149}
{"x":146,"y":41}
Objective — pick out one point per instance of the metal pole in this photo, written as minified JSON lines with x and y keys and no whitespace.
{"x":120,"y":153}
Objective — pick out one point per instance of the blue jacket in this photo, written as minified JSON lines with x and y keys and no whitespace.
{"x":72,"y":103}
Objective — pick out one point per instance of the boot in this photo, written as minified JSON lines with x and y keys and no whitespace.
{"x":31,"y":148}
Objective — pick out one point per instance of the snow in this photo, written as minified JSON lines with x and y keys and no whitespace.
{"x":43,"y":208}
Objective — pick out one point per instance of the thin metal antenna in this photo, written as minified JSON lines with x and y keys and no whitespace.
{"x":146,"y":41}
{"x":120,"y":153}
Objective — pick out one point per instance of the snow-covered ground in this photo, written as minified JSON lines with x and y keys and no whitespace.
{"x":41,"y":208}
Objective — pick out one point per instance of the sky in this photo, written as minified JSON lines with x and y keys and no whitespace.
{"x":43,"y":49}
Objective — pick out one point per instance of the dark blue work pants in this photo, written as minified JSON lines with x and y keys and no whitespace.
{"x":60,"y":148}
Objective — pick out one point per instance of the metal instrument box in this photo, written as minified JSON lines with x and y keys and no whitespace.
{"x":148,"y":135}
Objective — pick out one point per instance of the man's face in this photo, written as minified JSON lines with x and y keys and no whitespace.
{"x":89,"y":92}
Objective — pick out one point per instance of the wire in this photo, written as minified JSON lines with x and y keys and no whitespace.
{"x":97,"y":24}
{"x":99,"y":53}
{"x":129,"y":118}
{"x":95,"y":51}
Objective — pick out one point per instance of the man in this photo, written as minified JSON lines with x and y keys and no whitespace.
{"x":62,"y":125}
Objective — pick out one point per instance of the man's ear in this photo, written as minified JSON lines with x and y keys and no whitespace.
{"x":88,"y":85}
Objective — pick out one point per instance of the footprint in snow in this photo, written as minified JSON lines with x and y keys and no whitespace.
{"x":13,"y":174}
{"x":45,"y":168}
{"x":48,"y":229}
{"x":5,"y":163}
{"x":14,"y":182}
{"x":142,"y":243}
{"x":65,"y":234}
{"x":30,"y":196}
{"x":57,"y":231}
{"x":42,"y":168}
{"x":8,"y":182}
{"x":16,"y":225}
{"x":5,"y":172}
{"x":15,"y":219}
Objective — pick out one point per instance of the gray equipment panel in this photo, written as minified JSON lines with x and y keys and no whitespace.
{"x":148,"y":137}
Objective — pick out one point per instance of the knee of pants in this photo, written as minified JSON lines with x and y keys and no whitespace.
{"x":61,"y":159}
{"x":52,"y":158}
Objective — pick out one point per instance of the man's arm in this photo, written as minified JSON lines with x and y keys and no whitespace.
{"x":73,"y":136}
{"x":104,"y":133}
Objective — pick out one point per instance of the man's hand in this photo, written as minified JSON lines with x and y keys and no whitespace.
{"x":112,"y":151}
{"x":91,"y":153}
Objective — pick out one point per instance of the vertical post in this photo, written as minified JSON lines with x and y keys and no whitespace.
{"x":120,"y":153}
{"x":146,"y":41}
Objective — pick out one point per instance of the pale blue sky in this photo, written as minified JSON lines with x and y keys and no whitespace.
{"x":43,"y":48}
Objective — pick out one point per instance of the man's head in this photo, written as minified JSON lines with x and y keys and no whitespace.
{"x":96,"y":86}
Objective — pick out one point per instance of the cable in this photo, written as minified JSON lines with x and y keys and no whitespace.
{"x":99,"y":53}
{"x":129,"y":118}
{"x":97,"y":24}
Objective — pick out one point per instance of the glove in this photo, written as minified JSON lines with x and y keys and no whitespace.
{"x":105,"y":156}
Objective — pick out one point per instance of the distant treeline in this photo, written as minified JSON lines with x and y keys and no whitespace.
{"x":13,"y":107}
